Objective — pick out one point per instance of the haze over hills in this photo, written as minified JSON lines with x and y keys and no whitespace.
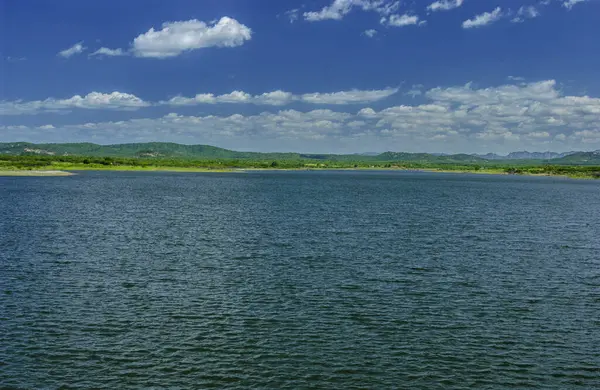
{"x":180,"y":151}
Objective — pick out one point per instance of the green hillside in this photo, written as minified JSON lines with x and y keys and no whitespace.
{"x":168,"y":150}
{"x":579,"y":158}
{"x":426,"y":157}
{"x":178,"y":151}
{"x":150,"y":149}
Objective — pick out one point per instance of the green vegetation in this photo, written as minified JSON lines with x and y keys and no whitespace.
{"x":26,"y":162}
{"x":168,"y":156}
{"x":166,"y":150}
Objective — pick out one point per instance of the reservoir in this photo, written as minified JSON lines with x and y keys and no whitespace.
{"x":290,"y":280}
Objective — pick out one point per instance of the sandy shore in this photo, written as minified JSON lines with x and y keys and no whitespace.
{"x":35,"y":173}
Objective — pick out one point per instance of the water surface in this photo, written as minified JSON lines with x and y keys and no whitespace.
{"x":289,"y":280}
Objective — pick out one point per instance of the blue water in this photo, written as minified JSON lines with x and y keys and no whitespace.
{"x":289,"y":280}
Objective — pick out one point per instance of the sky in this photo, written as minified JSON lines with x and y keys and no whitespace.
{"x":318,"y":76}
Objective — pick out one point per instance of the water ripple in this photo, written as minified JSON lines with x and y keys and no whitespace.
{"x":299,"y":280}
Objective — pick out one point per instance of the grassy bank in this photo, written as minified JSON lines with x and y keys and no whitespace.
{"x":97,"y":167}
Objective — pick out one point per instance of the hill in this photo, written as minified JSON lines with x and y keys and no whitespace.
{"x":179,"y":151}
{"x":149,"y":149}
{"x":169,"y":150}
{"x":579,"y":158}
{"x":524,"y":155}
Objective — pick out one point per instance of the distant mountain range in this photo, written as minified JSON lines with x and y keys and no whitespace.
{"x":524,"y":156}
{"x":179,"y":151}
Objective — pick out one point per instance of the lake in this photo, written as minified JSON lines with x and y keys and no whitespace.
{"x":289,"y":280}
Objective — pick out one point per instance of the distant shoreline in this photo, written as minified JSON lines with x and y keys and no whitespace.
{"x":74,"y":170}
{"x":432,"y":170}
{"x":167,"y":157}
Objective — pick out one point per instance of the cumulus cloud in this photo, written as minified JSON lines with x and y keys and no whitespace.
{"x":235,"y":97}
{"x":348,"y":97}
{"x":400,"y":20}
{"x":282,"y":125}
{"x":444,"y":5}
{"x":370,"y":33}
{"x":415,"y":91}
{"x":125,"y":101}
{"x":569,"y":4}
{"x":505,"y":117}
{"x":105,"y":51}
{"x":275,"y":98}
{"x":340,"y":8}
{"x":336,"y":11}
{"x":483,"y":19}
{"x":533,"y":110}
{"x":93,"y":100}
{"x":77,"y":48}
{"x":177,"y":37}
{"x":279,"y":98}
{"x":538,"y":135}
{"x":367,"y":113}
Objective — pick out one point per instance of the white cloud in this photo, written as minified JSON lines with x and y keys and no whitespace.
{"x":497,"y":135}
{"x":385,"y":8}
{"x":356,"y":124}
{"x":560,"y":137}
{"x":414,"y":92}
{"x":348,"y":97}
{"x":370,"y":33}
{"x":336,"y":11}
{"x":503,"y":118}
{"x":279,"y":98}
{"x":529,"y":12}
{"x":275,"y":98}
{"x":105,"y":51}
{"x":400,"y":20}
{"x":177,"y":37}
{"x":235,"y":97}
{"x":202,"y":98}
{"x":367,"y":113}
{"x":340,"y":8}
{"x":538,"y":135}
{"x":483,"y":19}
{"x":444,"y":5}
{"x":588,"y":136}
{"x":533,"y":112}
{"x":468,"y":96}
{"x":77,"y":48}
{"x":293,"y":14}
{"x":569,"y":4}
{"x":526,"y":12}
{"x":93,"y":100}
{"x":282,"y":125}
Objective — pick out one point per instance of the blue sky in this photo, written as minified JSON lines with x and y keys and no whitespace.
{"x":339,"y":76}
